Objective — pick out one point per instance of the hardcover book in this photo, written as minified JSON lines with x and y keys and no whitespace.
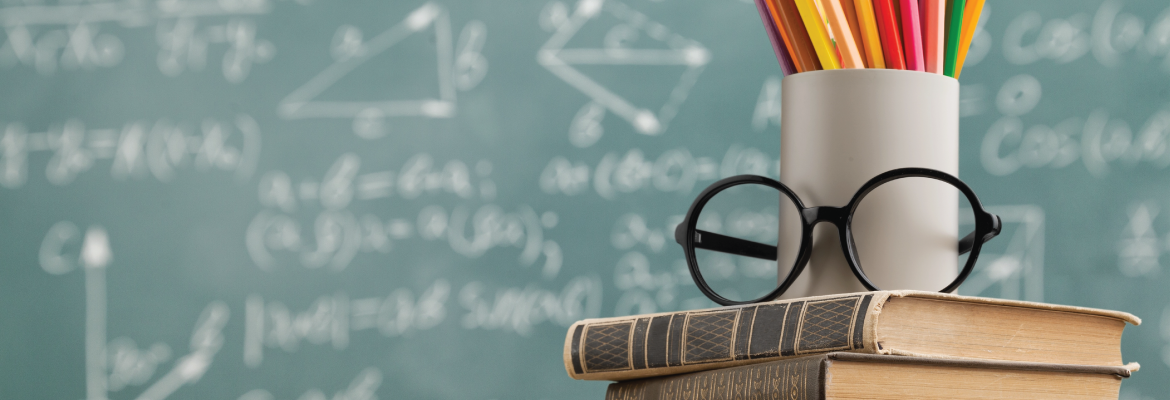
{"x":879,"y":377}
{"x":910,"y":323}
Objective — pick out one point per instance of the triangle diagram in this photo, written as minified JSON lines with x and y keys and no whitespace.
{"x":567,"y":63}
{"x":304,"y":103}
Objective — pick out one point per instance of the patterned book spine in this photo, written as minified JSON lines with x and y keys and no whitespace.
{"x":793,"y":379}
{"x":627,"y":348}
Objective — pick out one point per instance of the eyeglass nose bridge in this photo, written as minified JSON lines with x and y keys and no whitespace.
{"x":833,"y":215}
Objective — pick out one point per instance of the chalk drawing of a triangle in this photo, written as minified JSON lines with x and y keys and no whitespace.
{"x":302,"y":103}
{"x":679,"y":52}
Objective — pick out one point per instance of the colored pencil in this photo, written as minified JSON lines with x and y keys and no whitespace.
{"x":970,"y":21}
{"x":847,"y":48}
{"x":912,"y":35}
{"x":869,"y":34}
{"x":786,"y":66}
{"x":922,"y":16}
{"x":800,"y":47}
{"x":814,"y":24}
{"x":887,"y":23}
{"x":855,"y":27}
{"x":954,"y":30}
{"x":934,"y":34}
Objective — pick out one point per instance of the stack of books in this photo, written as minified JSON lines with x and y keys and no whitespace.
{"x":873,"y":345}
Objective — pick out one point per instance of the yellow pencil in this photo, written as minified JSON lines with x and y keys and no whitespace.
{"x":869,"y":33}
{"x":970,"y":22}
{"x":843,"y":35}
{"x":817,"y":32}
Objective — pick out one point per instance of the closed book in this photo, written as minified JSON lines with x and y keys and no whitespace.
{"x":912,"y":323}
{"x":878,"y":377}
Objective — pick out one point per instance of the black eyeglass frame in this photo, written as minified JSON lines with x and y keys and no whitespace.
{"x":987,"y":226}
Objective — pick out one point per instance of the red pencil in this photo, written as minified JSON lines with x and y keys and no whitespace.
{"x":888,"y":28}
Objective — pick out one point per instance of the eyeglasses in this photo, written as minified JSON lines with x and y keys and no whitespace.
{"x":801,"y":220}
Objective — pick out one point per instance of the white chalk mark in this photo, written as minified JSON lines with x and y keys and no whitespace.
{"x":375,"y":185}
{"x":253,"y":331}
{"x":95,"y":255}
{"x":51,"y":258}
{"x":681,"y":52}
{"x":302,"y":103}
{"x":206,"y":340}
{"x":1139,"y":249}
{"x":130,"y":13}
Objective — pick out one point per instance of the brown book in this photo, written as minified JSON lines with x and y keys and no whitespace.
{"x":907,"y":323}
{"x":868,"y":376}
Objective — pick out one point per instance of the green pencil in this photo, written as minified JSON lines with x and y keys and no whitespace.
{"x":954,"y":31}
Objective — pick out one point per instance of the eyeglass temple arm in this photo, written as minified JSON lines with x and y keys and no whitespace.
{"x":967,"y":242}
{"x":725,"y":244}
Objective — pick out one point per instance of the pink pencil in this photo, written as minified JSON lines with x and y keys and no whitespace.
{"x":912,"y":35}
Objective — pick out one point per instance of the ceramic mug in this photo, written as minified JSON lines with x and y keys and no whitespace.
{"x":840,"y":128}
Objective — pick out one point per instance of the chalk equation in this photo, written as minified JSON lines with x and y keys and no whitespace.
{"x":333,"y":320}
{"x":338,"y":235}
{"x":1112,"y":35}
{"x":345,"y":182}
{"x":138,"y":149}
{"x":674,"y":171}
{"x":112,"y":366}
{"x":81,"y":36}
{"x":632,"y":40}
{"x":1099,"y":141}
{"x":458,"y":68}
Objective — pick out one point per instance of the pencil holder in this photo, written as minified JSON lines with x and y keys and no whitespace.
{"x":840,"y":128}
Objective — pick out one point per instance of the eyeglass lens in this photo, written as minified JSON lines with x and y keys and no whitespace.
{"x":911,"y":224}
{"x":748,"y":213}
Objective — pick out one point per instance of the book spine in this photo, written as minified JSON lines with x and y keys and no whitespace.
{"x":793,"y":379}
{"x":652,"y":345}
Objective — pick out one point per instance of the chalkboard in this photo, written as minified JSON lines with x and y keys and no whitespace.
{"x":307,"y":199}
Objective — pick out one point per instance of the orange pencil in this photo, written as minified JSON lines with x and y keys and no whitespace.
{"x":795,"y":37}
{"x":887,"y":21}
{"x":934,"y":34}
{"x":839,"y":25}
{"x":970,"y":21}
{"x":855,"y":27}
{"x":869,"y":34}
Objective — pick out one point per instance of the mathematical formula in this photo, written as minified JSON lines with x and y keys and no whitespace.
{"x":137,"y":150}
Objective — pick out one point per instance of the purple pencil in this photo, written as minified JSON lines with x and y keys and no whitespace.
{"x":786,"y":65}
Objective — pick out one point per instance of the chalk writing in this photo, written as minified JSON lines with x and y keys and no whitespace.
{"x":675,"y":170}
{"x":70,"y":36}
{"x":331,"y":319}
{"x":519,"y":310}
{"x":1109,"y":34}
{"x":137,"y":150}
{"x":1097,"y":140}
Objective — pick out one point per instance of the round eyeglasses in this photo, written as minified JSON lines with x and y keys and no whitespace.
{"x":729,"y":235}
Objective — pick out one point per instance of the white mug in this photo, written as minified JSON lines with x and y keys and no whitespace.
{"x":839,"y":129}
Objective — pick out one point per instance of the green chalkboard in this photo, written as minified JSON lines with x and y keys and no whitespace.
{"x":309,"y":199}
